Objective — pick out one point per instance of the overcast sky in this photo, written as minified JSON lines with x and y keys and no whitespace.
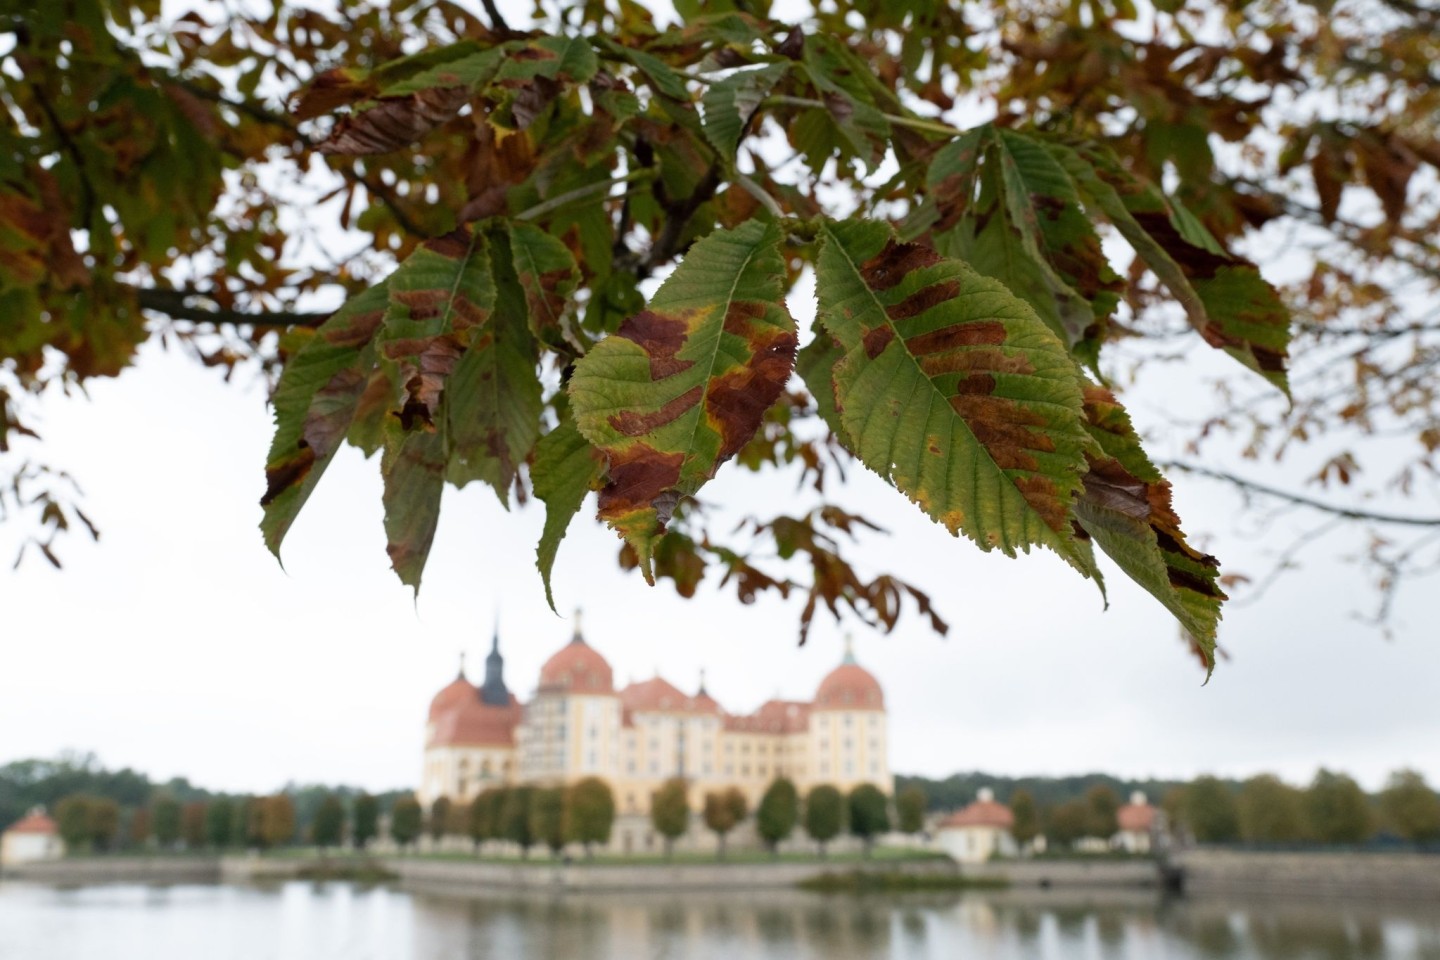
{"x":178,"y":646}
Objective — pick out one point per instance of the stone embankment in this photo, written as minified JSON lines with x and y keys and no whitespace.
{"x":82,"y":870}
{"x":1388,"y":876}
{"x":1137,"y":873}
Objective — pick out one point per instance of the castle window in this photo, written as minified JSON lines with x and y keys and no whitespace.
{"x":849,"y":720}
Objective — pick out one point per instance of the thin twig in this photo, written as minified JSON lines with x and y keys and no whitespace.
{"x":579,"y":193}
{"x":1304,"y":501}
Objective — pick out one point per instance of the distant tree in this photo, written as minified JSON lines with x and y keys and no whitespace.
{"x":1027,"y":818}
{"x":1410,"y":807}
{"x":589,"y":812}
{"x":1210,"y":812}
{"x":1101,"y":807}
{"x":165,"y":819}
{"x":328,"y":828}
{"x":824,"y":814}
{"x":723,"y":811}
{"x":1339,"y":811}
{"x":137,"y":833}
{"x":192,"y":824}
{"x":278,"y":819}
{"x":869,"y":814}
{"x":547,"y":818}
{"x":220,"y":822}
{"x":778,"y":813}
{"x":480,"y":817}
{"x":1270,"y":810}
{"x":250,"y":815}
{"x":910,"y":805}
{"x":367,"y":820}
{"x":104,"y":822}
{"x":72,"y":818}
{"x":1067,"y":822}
{"x":439,"y":818}
{"x":670,"y":812}
{"x":515,"y":818}
{"x":405,"y":817}
{"x":1173,"y":803}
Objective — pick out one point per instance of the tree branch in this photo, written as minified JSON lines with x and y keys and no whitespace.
{"x":175,"y":304}
{"x":1349,"y":513}
{"x":497,"y":20}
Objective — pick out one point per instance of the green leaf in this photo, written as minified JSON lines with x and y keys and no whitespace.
{"x":315,"y":402}
{"x":412,"y":467}
{"x":839,"y":78}
{"x":954,"y":391}
{"x":684,"y":384}
{"x":547,"y":273}
{"x":816,"y":365}
{"x":566,"y":468}
{"x":1026,"y":228}
{"x":1126,"y":508}
{"x":439,"y":298}
{"x":729,"y":103}
{"x":1224,"y":296}
{"x":493,"y":400}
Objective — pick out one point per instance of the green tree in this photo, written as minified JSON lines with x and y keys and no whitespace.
{"x":869,"y":814}
{"x":137,"y":833}
{"x":405,"y":821}
{"x":72,"y":819}
{"x":547,"y":818}
{"x":1338,"y":810}
{"x":192,"y":824}
{"x":439,"y":818}
{"x":246,"y":827}
{"x":590,"y":812}
{"x":366,"y":819}
{"x":1410,"y":807}
{"x":1101,"y":805}
{"x":515,"y":818}
{"x":824,"y":814}
{"x":670,"y":812}
{"x":778,"y":813}
{"x":1210,"y":812}
{"x":1067,"y":822}
{"x":1089,"y":139}
{"x":1270,"y":811}
{"x":165,"y":819}
{"x":723,"y":811}
{"x":104,"y":822}
{"x":481,"y":818}
{"x":910,"y":806}
{"x":220,"y":822}
{"x":277,"y":817}
{"x":1027,"y":818}
{"x":328,"y":828}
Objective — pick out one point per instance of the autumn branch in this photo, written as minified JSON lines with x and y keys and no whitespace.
{"x":176,"y":305}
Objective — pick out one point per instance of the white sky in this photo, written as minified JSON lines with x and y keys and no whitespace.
{"x":178,"y":646}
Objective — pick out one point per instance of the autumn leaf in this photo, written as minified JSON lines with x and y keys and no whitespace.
{"x":684,"y":383}
{"x":567,"y":467}
{"x":1224,"y":296}
{"x":546,"y":272}
{"x":315,"y":402}
{"x":954,"y":391}
{"x":1126,"y":507}
{"x":728,"y":104}
{"x":412,"y":467}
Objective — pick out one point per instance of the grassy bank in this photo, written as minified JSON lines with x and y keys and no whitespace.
{"x":895,"y":881}
{"x":544,"y":859}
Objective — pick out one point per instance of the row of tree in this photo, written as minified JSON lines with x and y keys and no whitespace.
{"x":584,"y":813}
{"x":99,"y":824}
{"x":1331,"y":809}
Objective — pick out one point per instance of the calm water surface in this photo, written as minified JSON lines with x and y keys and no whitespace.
{"x":338,"y":921}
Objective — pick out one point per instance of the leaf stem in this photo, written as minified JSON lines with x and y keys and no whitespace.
{"x":759,"y":193}
{"x":914,"y":123}
{"x":579,"y":193}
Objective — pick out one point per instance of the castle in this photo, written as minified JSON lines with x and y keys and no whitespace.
{"x":578,"y":725}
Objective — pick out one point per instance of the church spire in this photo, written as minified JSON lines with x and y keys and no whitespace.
{"x":494,"y":691}
{"x":577,"y":636}
{"x":849,"y":649}
{"x":460,"y":674}
{"x":701,"y":692}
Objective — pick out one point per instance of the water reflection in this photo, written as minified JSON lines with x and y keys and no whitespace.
{"x":298,"y":921}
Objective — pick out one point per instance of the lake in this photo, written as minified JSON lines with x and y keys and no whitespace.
{"x":342,"y":921}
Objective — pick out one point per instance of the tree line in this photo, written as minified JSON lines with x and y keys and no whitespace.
{"x":1332,"y":808}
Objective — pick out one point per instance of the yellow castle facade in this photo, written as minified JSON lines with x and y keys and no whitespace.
{"x":577,"y":724}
